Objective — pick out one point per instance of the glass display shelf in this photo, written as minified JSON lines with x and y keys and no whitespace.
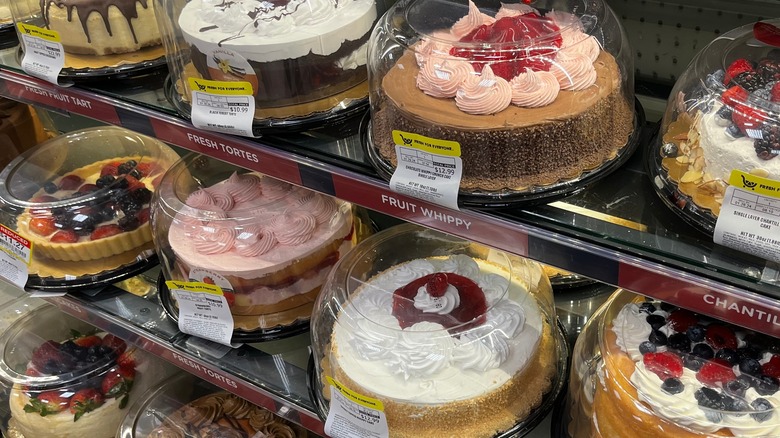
{"x":616,"y":231}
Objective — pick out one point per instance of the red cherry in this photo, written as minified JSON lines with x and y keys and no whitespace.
{"x":470,"y":312}
{"x":437,"y":285}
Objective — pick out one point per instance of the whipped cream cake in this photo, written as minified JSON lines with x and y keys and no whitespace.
{"x":544,"y":93}
{"x":451,"y":345}
{"x":266,"y":243}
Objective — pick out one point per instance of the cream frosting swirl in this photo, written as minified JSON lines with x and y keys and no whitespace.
{"x":471,"y":21}
{"x":433,"y":48}
{"x":534,"y":89}
{"x":419,"y":353}
{"x":222,"y":199}
{"x":442,"y":305}
{"x":484,"y":94}
{"x":514,"y":9}
{"x":273,"y":189}
{"x":293,"y":227}
{"x":574,"y":71}
{"x":578,"y":42}
{"x":631,"y":329}
{"x":255,"y":240}
{"x":214,"y":237}
{"x":244,"y":188}
{"x":442,"y":78}
{"x":200,"y":199}
{"x":322,"y":207}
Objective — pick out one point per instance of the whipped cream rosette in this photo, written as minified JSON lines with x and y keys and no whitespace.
{"x":266,"y":243}
{"x":434,"y":329}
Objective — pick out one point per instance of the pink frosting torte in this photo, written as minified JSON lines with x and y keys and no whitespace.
{"x":266,"y":243}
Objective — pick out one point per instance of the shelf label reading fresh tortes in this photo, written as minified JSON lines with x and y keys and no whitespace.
{"x":43,"y":53}
{"x":203,"y":310}
{"x":749,"y":219}
{"x":223,"y":106}
{"x":428,"y":168}
{"x":15,"y":257}
{"x":353,"y":415}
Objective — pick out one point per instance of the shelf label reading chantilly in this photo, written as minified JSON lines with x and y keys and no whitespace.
{"x":223,"y":106}
{"x":428,"y":168}
{"x":43,"y":53}
{"x":353,"y":415}
{"x":203,"y":310}
{"x":749,"y":219}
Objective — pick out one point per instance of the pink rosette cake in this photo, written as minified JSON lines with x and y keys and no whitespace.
{"x":266,"y":243}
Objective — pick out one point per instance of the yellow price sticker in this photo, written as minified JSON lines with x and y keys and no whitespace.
{"x":427,"y":144}
{"x":46,"y":34}
{"x":756,"y":184}
{"x":194,"y":286}
{"x":360,"y":399}
{"x":224,"y":88}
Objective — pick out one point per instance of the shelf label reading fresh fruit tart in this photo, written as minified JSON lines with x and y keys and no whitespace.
{"x":14,"y":257}
{"x":749,"y":219}
{"x":428,"y":168}
{"x":43,"y":53}
{"x":223,"y":106}
{"x":353,"y":415}
{"x":203,"y":310}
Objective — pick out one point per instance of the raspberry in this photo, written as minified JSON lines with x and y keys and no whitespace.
{"x":681,"y":320}
{"x":734,"y":95}
{"x":747,"y":118}
{"x":665,"y":364}
{"x":772,"y":368}
{"x":717,"y":371}
{"x":774,"y":94}
{"x":739,"y":66}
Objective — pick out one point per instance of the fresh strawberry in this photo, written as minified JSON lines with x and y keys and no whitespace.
{"x":146,"y":169}
{"x":437,"y":285}
{"x":746,"y":117}
{"x":88,"y":341}
{"x":85,"y":400}
{"x":719,"y":336}
{"x":49,"y":350}
{"x":117,"y":383}
{"x":118,"y":345}
{"x":739,"y":66}
{"x":65,"y":236}
{"x":126,"y":360}
{"x":716,"y":371}
{"x":110,"y":169}
{"x":681,"y":320}
{"x":104,"y":231}
{"x":664,"y":364}
{"x":143,"y":216}
{"x":42,"y":226}
{"x":774,"y":95}
{"x":43,"y":199}
{"x":734,"y":96}
{"x":46,"y":403}
{"x":772,"y":368}
{"x":133,"y":184}
{"x":230,"y":297}
{"x":32,"y":372}
{"x":87,"y":188}
{"x":70,"y":182}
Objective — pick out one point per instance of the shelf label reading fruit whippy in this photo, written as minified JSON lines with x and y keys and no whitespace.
{"x":352,"y":415}
{"x":14,"y":257}
{"x":203,"y":310}
{"x":749,"y":219}
{"x":43,"y":53}
{"x":223,"y":106}
{"x":428,"y":168}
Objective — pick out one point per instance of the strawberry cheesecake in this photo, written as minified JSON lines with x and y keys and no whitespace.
{"x":543,"y":88}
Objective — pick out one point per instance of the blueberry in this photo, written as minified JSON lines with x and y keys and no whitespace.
{"x":709,"y":398}
{"x":703,"y":351}
{"x":669,"y":150}
{"x":135,"y":174}
{"x":128,"y":223}
{"x":680,"y":342}
{"x":692,"y":362}
{"x":749,"y":366}
{"x":106,"y":214}
{"x":130,"y":207}
{"x":734,"y":131}
{"x":656,"y":321}
{"x":695,"y":333}
{"x":50,"y":187}
{"x":131,"y":163}
{"x":124,"y":169}
{"x":736,"y":406}
{"x":724,"y":112}
{"x":762,"y":408}
{"x":767,"y":385}
{"x":657,"y":337}
{"x":123,"y":183}
{"x":646,"y":308}
{"x":736,"y":388}
{"x":728,"y":354}
{"x":105,"y":181}
{"x":673,"y":385}
{"x":647,"y":347}
{"x":666,"y":307}
{"x":749,"y":352}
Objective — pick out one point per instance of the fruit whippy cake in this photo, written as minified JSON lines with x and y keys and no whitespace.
{"x":535,"y":85}
{"x":670,"y":372}
{"x":84,"y":216}
{"x":723,"y":117}
{"x":439,"y":340}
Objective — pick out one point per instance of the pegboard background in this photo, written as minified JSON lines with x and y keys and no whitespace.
{"x":665,"y":36}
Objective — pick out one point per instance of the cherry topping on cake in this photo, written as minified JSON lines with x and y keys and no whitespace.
{"x":471,"y":310}
{"x":716,"y":371}
{"x":508,"y":61}
{"x":664,"y":364}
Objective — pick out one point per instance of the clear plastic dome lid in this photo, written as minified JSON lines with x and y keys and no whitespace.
{"x":721,"y":117}
{"x":667,"y":370}
{"x":428,"y":323}
{"x":547,"y":84}
{"x":188,"y":406}
{"x":304,"y":59}
{"x":266,"y":243}
{"x":82,"y":199}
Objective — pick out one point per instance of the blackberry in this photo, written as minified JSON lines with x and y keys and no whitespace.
{"x":647,"y":347}
{"x":769,"y":69}
{"x":680,"y":342}
{"x":129,"y":223}
{"x":768,"y":146}
{"x":646,"y":308}
{"x":656,"y":321}
{"x":762,"y":408}
{"x":657,"y":337}
{"x":749,"y":80}
{"x":672,"y":385}
{"x":703,"y":351}
{"x":695,"y":333}
{"x":728,"y":354}
{"x":141,"y":195}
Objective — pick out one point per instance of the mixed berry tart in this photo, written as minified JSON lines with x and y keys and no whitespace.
{"x":723,"y":115}
{"x":429,"y":311}
{"x":85,"y":196}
